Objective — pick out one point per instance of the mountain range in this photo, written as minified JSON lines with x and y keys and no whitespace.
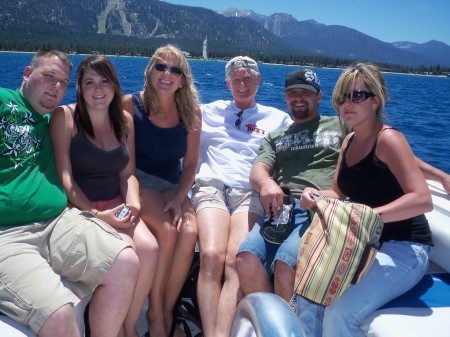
{"x":344,"y":42}
{"x":137,"y":27}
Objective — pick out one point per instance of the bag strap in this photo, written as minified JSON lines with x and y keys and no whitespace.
{"x":318,"y":212}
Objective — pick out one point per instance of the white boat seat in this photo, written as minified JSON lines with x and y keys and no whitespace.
{"x":425,"y":309}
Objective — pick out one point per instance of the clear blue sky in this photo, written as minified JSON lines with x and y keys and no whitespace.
{"x":387,"y":20}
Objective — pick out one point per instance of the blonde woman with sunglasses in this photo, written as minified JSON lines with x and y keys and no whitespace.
{"x":167,"y":122}
{"x":376,"y":167}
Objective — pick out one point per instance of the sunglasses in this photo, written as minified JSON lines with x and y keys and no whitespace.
{"x":239,"y":119}
{"x":356,"y":96}
{"x":173,"y":70}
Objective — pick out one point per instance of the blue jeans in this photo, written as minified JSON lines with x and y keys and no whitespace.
{"x":287,"y":252}
{"x":398,"y":266}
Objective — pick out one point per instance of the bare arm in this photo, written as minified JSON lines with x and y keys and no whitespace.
{"x":190,"y":165}
{"x":432,"y":173}
{"x":394,"y":150}
{"x":62,"y":129}
{"x":127,"y":102}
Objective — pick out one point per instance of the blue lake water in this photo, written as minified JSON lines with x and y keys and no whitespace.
{"x":419,"y":106}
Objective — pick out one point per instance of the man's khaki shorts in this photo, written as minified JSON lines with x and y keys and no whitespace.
{"x":215,"y":194}
{"x":45,"y":265}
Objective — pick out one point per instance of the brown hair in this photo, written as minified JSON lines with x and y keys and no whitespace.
{"x":102,"y":66}
{"x":46,"y":53}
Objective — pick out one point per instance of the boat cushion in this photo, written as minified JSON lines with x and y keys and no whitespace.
{"x":425,"y":309}
{"x":422,"y":311}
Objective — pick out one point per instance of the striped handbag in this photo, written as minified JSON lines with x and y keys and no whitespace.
{"x":337,"y":249}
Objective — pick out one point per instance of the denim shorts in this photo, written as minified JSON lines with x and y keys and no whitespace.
{"x":153,"y":182}
{"x":46,"y":265}
{"x":213,"y":193}
{"x":268,"y":252}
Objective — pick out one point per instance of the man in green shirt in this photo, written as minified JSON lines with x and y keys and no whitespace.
{"x":51,"y":255}
{"x":303,"y":154}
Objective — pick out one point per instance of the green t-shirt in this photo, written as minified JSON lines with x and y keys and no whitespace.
{"x":303,"y":155}
{"x":29,"y":187}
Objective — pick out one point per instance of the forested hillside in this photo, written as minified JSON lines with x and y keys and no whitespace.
{"x":134,"y":26}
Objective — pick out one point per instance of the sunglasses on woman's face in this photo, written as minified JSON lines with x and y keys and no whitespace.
{"x":356,"y":96}
{"x":173,"y":70}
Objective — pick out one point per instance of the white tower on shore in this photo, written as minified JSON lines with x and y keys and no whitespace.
{"x":205,"y":49}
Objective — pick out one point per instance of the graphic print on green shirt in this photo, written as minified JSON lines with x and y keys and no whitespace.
{"x":304,"y":154}
{"x":29,"y":187}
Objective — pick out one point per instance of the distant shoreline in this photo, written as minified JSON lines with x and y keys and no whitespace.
{"x":82,"y":54}
{"x":200,"y":59}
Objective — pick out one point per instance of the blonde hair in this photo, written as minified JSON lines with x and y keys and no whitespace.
{"x":186,"y":97}
{"x":372,"y":78}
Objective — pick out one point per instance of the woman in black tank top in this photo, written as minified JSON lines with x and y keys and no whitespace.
{"x":93,"y":141}
{"x":376,"y":167}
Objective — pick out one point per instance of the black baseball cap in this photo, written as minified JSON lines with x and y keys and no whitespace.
{"x":304,"y":79}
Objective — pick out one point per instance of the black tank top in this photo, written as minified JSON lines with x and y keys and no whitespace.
{"x":96,"y":171}
{"x":372,"y":183}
